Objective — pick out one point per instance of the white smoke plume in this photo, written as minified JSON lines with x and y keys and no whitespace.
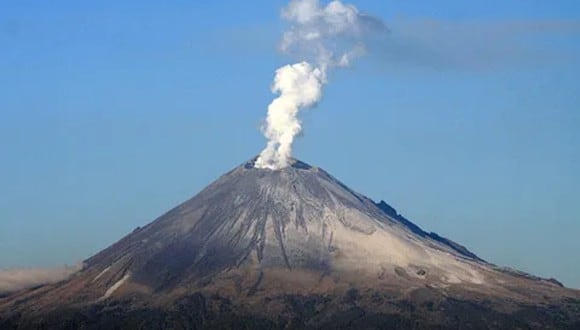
{"x":321,"y":38}
{"x":12,"y":280}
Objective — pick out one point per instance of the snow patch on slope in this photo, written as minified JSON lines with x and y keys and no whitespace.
{"x":115,"y":286}
{"x":101,"y":273}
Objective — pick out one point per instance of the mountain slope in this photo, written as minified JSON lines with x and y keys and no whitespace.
{"x":257,"y":242}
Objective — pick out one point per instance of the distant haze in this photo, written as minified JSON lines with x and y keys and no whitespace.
{"x":23,"y":278}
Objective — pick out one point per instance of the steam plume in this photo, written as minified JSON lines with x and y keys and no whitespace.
{"x":321,"y":38}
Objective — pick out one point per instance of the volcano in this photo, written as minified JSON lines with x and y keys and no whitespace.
{"x":289,"y":248}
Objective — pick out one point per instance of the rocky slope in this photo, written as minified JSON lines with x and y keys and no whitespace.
{"x":292,"y":248}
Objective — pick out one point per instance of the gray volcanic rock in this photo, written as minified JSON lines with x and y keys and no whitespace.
{"x":290,"y":248}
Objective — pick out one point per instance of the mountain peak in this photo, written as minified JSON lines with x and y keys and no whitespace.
{"x":270,"y":233}
{"x":294,"y":164}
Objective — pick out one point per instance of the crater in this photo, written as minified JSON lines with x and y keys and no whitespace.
{"x":295,"y":163}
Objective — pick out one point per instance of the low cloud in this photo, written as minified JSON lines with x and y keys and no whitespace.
{"x":12,"y":280}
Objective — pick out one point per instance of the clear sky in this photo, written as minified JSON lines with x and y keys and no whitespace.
{"x":465,"y":118}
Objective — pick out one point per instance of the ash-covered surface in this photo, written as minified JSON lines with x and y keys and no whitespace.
{"x":255,"y":237}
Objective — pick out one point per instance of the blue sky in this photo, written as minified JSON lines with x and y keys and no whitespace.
{"x":465,"y":118}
